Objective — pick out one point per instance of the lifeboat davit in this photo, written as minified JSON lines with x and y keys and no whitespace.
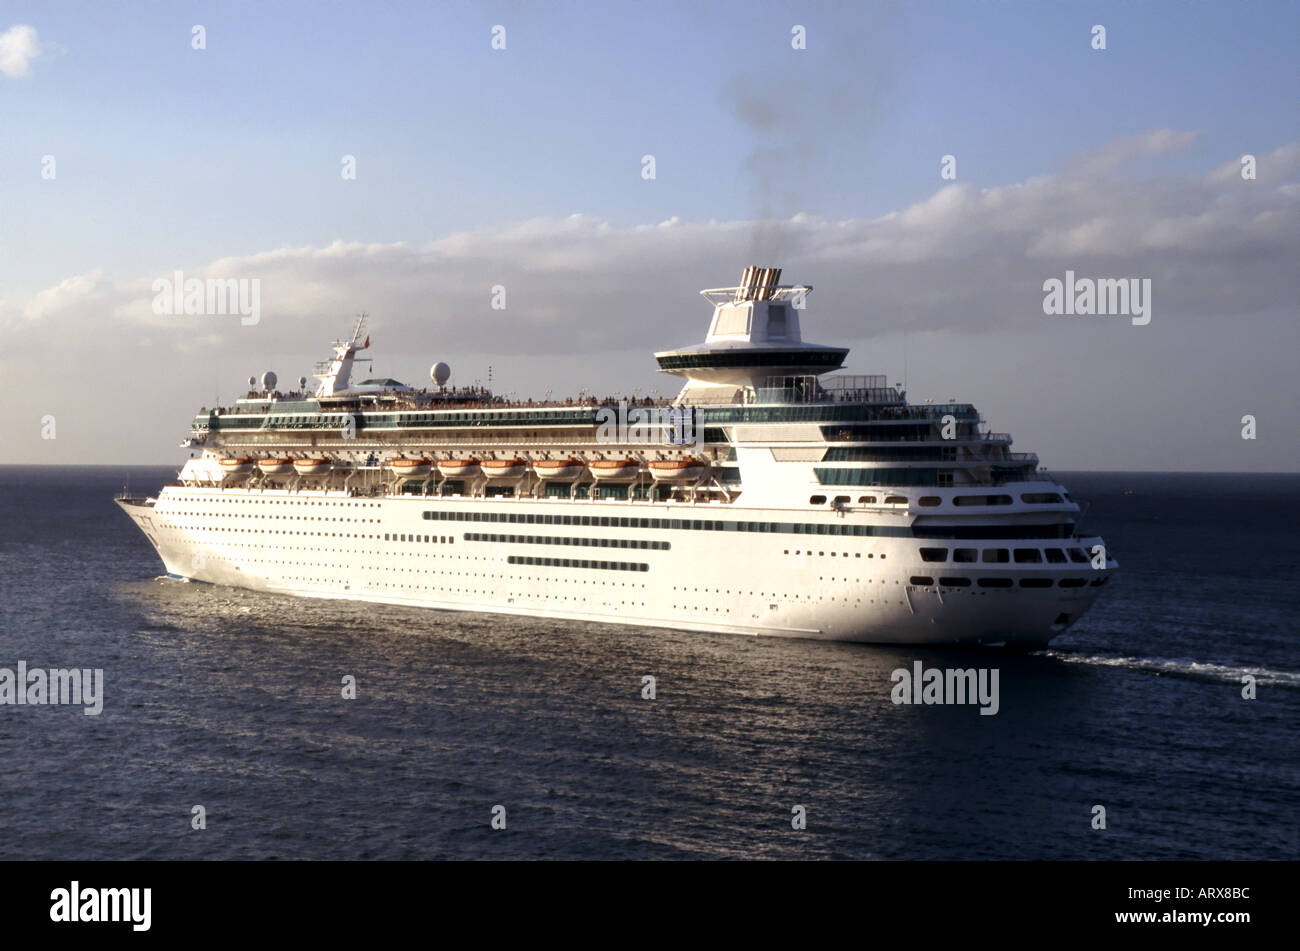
{"x":275,"y":466}
{"x":559,"y":470}
{"x":236,"y":466}
{"x":504,"y":468}
{"x":459,"y":468}
{"x":614,"y":470}
{"x":411,"y":468}
{"x":311,"y":467}
{"x":688,"y":469}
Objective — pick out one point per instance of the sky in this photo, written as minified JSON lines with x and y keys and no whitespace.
{"x":127,"y":155}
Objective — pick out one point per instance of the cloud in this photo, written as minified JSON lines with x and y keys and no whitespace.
{"x":19,"y":45}
{"x":68,"y":296}
{"x":1271,"y":168}
{"x":965,"y":260}
{"x":1120,"y":152}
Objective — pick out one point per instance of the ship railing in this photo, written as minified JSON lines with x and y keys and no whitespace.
{"x":854,"y":381}
{"x":435,"y":405}
{"x":786,"y":395}
{"x":777,"y":292}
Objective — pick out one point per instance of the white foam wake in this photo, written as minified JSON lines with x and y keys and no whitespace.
{"x":1185,"y":667}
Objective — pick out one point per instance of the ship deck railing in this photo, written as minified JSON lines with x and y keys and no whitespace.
{"x":434,"y":404}
{"x":854,"y":389}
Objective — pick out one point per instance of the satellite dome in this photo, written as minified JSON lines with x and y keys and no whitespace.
{"x":268,"y":380}
{"x":302,"y":383}
{"x":440,"y":373}
{"x":252,"y":382}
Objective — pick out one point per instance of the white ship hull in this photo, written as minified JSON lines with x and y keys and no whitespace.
{"x":830,"y":587}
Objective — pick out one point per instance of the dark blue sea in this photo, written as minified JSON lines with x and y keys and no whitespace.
{"x":232,"y":700}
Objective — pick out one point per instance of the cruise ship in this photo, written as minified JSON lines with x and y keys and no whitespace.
{"x":774,"y":495}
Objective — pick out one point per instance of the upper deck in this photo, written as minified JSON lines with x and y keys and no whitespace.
{"x":834,"y":404}
{"x":754,"y":384}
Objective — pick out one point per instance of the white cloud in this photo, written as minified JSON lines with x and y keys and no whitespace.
{"x":586,"y":294}
{"x":963,"y":259}
{"x":1120,"y":152}
{"x":66,"y":296}
{"x":19,"y":45}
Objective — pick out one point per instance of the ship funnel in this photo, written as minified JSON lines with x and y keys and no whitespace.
{"x":746,"y":279}
{"x":758,"y":283}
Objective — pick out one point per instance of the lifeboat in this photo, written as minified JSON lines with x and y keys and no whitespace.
{"x":459,"y":468}
{"x":688,"y":469}
{"x":614,"y":470}
{"x":236,"y":466}
{"x":411,"y":468}
{"x":559,"y":470}
{"x":504,"y":468}
{"x":275,"y":466}
{"x":311,"y":467}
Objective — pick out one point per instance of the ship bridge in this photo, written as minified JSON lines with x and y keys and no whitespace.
{"x":753,"y":339}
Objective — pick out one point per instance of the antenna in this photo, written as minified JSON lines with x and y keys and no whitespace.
{"x":361,"y":325}
{"x":904,"y":358}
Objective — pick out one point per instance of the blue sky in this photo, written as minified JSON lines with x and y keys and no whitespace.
{"x":168,"y":157}
{"x":168,"y":151}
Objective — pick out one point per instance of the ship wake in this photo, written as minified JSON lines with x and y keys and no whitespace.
{"x":1184,"y":667}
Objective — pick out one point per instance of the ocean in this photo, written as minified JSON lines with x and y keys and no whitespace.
{"x":232,"y":701}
